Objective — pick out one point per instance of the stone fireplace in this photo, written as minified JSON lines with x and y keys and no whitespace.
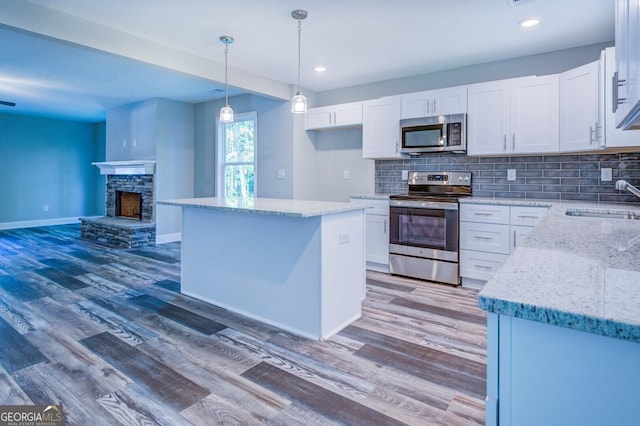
{"x":130,"y":217}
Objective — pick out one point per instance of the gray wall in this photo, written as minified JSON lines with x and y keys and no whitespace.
{"x":542,"y":64}
{"x":275,"y":150}
{"x":338,"y":152}
{"x":554,"y":177}
{"x":47,"y":162}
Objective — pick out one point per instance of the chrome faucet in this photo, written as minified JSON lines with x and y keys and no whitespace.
{"x":621,"y":185}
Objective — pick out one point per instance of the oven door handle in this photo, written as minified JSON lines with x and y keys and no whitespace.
{"x":423,"y":204}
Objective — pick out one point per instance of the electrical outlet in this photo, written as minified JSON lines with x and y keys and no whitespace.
{"x":345,"y":174}
{"x":281,"y":173}
{"x":511,"y":174}
{"x":344,"y":237}
{"x":45,"y":207}
{"x":606,"y":174}
{"x":405,"y":174}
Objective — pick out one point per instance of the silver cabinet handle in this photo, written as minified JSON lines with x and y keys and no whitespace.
{"x":513,"y":142}
{"x":524,"y":216}
{"x":434,"y":106}
{"x":505,"y":142}
{"x":329,"y":119}
{"x":385,"y":226}
{"x":428,"y":106}
{"x":478,"y":237}
{"x":482,"y":214}
{"x":591,"y":136}
{"x":482,"y":267}
{"x":515,"y":244}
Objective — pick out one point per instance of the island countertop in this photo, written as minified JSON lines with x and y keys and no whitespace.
{"x":270,"y":206}
{"x":577,"y":272}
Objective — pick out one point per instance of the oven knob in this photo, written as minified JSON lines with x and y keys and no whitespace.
{"x":466,"y":178}
{"x":459,"y":178}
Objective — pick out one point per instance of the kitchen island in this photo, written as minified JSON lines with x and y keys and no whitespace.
{"x":563,"y":344}
{"x":298,"y":265}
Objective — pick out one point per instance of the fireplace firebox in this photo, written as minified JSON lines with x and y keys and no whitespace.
{"x":129,"y":205}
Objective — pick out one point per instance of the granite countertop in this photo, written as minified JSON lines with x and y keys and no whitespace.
{"x":576,"y":272}
{"x":270,"y":206}
{"x":370,"y":196}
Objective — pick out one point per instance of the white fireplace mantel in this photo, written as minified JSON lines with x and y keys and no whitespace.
{"x":130,"y":167}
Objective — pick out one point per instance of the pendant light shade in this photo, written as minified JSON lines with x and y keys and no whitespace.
{"x":226,"y":113}
{"x":299,"y":101}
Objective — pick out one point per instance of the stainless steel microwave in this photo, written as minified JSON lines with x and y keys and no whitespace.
{"x":434,"y":134}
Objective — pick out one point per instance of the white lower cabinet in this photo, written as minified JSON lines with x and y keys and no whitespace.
{"x":376,"y":233}
{"x":489,"y":233}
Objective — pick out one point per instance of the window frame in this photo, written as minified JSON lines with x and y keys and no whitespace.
{"x":220,"y":152}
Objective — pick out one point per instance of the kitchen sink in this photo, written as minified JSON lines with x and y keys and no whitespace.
{"x":605,"y":213}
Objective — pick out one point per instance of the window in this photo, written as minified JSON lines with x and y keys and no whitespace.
{"x":237,"y":157}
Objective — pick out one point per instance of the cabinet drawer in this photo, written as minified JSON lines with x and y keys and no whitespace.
{"x":374,"y":206}
{"x":486,"y":213}
{"x":526,"y":215}
{"x":480,"y":265}
{"x":485,"y":237}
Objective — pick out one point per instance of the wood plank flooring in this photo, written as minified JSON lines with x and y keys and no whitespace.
{"x":106,"y":333}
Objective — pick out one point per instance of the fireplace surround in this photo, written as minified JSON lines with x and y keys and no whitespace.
{"x":130,"y":217}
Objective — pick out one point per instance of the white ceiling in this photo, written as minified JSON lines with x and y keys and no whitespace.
{"x":359,"y":41}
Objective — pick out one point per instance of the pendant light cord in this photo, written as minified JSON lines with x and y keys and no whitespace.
{"x":299,"y":62}
{"x":226,"y":88}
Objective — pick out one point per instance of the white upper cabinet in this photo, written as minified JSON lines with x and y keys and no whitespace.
{"x":381,"y":128}
{"x":452,"y":100}
{"x":489,"y":120}
{"x":515,"y":116}
{"x":626,"y":91}
{"x":580,"y":125}
{"x":614,"y":138}
{"x":334,"y":116}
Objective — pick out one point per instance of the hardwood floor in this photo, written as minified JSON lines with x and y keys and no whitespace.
{"x":105,"y":333}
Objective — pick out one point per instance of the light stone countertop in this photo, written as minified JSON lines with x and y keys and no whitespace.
{"x":269,"y":206}
{"x":370,"y":196}
{"x":576,"y":272}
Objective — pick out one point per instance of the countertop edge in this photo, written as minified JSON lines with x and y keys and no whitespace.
{"x":331,"y":208}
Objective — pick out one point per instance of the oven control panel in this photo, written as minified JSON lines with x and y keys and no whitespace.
{"x":439,"y":178}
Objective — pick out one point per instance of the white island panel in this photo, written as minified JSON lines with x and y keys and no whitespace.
{"x":304,"y":274}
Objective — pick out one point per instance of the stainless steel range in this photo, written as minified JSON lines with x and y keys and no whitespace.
{"x":423,"y":238}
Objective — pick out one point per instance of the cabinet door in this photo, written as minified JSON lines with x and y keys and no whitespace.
{"x":527,"y":215}
{"x":518,"y":235}
{"x":347,"y":114}
{"x":484,"y":213}
{"x":487,"y":237}
{"x":381,"y":128}
{"x":452,"y":100}
{"x":627,"y":56}
{"x":614,"y":137}
{"x":318,"y":118}
{"x":488,"y":120}
{"x":534,"y":115}
{"x":377,"y":238}
{"x":414,"y":105}
{"x":480,"y":265}
{"x":579,"y":107}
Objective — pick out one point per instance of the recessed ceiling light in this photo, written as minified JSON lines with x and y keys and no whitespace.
{"x":529,"y":22}
{"x":320,"y":69}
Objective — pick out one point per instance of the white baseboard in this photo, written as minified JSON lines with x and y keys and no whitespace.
{"x":39,"y":222}
{"x":168,"y":238}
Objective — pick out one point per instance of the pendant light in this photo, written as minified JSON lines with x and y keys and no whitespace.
{"x":226,"y":113}
{"x":299,"y":101}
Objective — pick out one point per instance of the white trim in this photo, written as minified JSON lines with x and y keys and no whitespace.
{"x":168,"y":238}
{"x":132,"y":167}
{"x":39,"y":222}
{"x":245,"y":116}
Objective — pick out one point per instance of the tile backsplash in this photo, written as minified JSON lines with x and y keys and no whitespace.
{"x":556,"y":177}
